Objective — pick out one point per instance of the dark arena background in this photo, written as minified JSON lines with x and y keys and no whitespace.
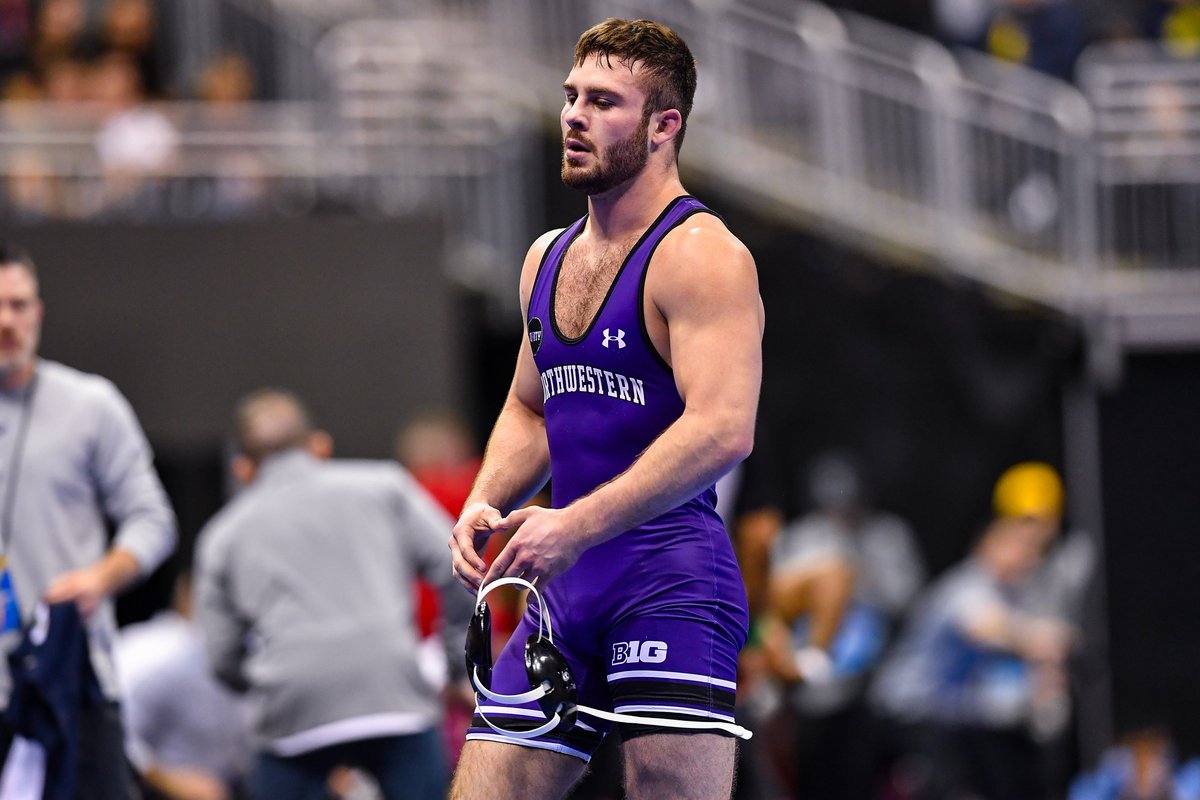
{"x":975,"y":233}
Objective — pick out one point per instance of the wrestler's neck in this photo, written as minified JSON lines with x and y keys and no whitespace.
{"x":631,"y":207}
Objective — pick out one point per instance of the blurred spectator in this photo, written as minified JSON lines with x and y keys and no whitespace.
{"x":128,"y":27}
{"x":67,"y":81}
{"x":757,"y":518}
{"x":1143,"y":765}
{"x":29,"y":186}
{"x":59,"y":31}
{"x":1047,"y":35}
{"x":135,"y":142}
{"x":1176,"y":23}
{"x":187,"y":734}
{"x":963,"y":22}
{"x":442,"y":455}
{"x":755,"y":530}
{"x":839,"y":578}
{"x":227,"y":81}
{"x":1033,"y":491}
{"x":87,"y":518}
{"x":15,"y":23}
{"x":239,"y":182}
{"x":977,"y":666}
{"x":304,"y":596}
{"x":35,"y":187}
{"x":1152,"y":211}
{"x":440,"y":452}
{"x":21,"y":87}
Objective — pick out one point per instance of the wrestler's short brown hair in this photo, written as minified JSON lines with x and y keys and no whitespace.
{"x":664,"y":57}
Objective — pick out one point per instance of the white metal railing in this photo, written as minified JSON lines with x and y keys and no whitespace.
{"x":406,"y":119}
{"x":1147,"y":185}
{"x":180,"y":160}
{"x":1147,"y":103}
{"x":983,"y":167}
{"x":278,"y":37}
{"x":277,"y":44}
{"x":433,"y":79}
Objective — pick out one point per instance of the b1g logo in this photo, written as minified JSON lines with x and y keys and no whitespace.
{"x":636,"y":652}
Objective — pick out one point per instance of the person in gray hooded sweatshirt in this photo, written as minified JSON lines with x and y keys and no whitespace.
{"x":304,"y":591}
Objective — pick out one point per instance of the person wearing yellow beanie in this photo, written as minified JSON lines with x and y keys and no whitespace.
{"x":1029,"y":489}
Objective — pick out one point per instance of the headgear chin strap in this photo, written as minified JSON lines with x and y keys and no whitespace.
{"x":550,"y":679}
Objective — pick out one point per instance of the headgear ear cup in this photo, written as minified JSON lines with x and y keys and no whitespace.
{"x":546,"y":666}
{"x":479,"y":644}
{"x":479,"y":638}
{"x":550,"y":679}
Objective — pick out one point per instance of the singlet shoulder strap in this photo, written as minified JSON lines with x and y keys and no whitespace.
{"x":675,"y":213}
{"x":554,"y":253}
{"x":679,"y":209}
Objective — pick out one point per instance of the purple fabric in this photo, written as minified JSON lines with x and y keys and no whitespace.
{"x":674,"y":580}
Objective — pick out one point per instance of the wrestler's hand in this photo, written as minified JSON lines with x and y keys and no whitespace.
{"x":475,"y":526}
{"x":544,"y":543}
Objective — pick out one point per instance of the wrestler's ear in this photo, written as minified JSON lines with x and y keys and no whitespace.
{"x":665,"y":126}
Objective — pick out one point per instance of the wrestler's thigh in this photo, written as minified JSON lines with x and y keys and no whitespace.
{"x":497,"y":771}
{"x":688,"y":766}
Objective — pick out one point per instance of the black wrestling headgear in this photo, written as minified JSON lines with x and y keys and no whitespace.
{"x":551,"y":684}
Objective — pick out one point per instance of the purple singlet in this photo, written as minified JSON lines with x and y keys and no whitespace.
{"x":651,"y":620}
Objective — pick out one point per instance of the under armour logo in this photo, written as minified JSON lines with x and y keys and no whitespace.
{"x":619,"y":338}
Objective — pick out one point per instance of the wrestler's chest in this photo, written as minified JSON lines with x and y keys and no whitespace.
{"x":584,"y":280}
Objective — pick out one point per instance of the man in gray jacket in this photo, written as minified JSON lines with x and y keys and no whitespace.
{"x":73,"y":458}
{"x":304,"y":591}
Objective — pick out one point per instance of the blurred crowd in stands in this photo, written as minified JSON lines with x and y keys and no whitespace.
{"x":869,"y":679}
{"x":59,"y":50}
{"x":88,"y":75}
{"x":191,"y":738}
{"x":101,"y":65}
{"x":872,"y":682}
{"x":865,"y":677}
{"x":1048,"y":35}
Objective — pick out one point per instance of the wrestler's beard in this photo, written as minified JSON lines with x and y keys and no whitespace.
{"x":621,"y":162}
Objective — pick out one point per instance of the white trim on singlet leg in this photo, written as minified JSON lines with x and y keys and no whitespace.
{"x":692,"y":712}
{"x":662,"y":722}
{"x":528,"y":712}
{"x":555,"y":746}
{"x":513,"y":710}
{"x":678,"y":676}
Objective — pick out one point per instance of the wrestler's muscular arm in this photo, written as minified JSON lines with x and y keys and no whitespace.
{"x":704,"y":285}
{"x":516,"y":462}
